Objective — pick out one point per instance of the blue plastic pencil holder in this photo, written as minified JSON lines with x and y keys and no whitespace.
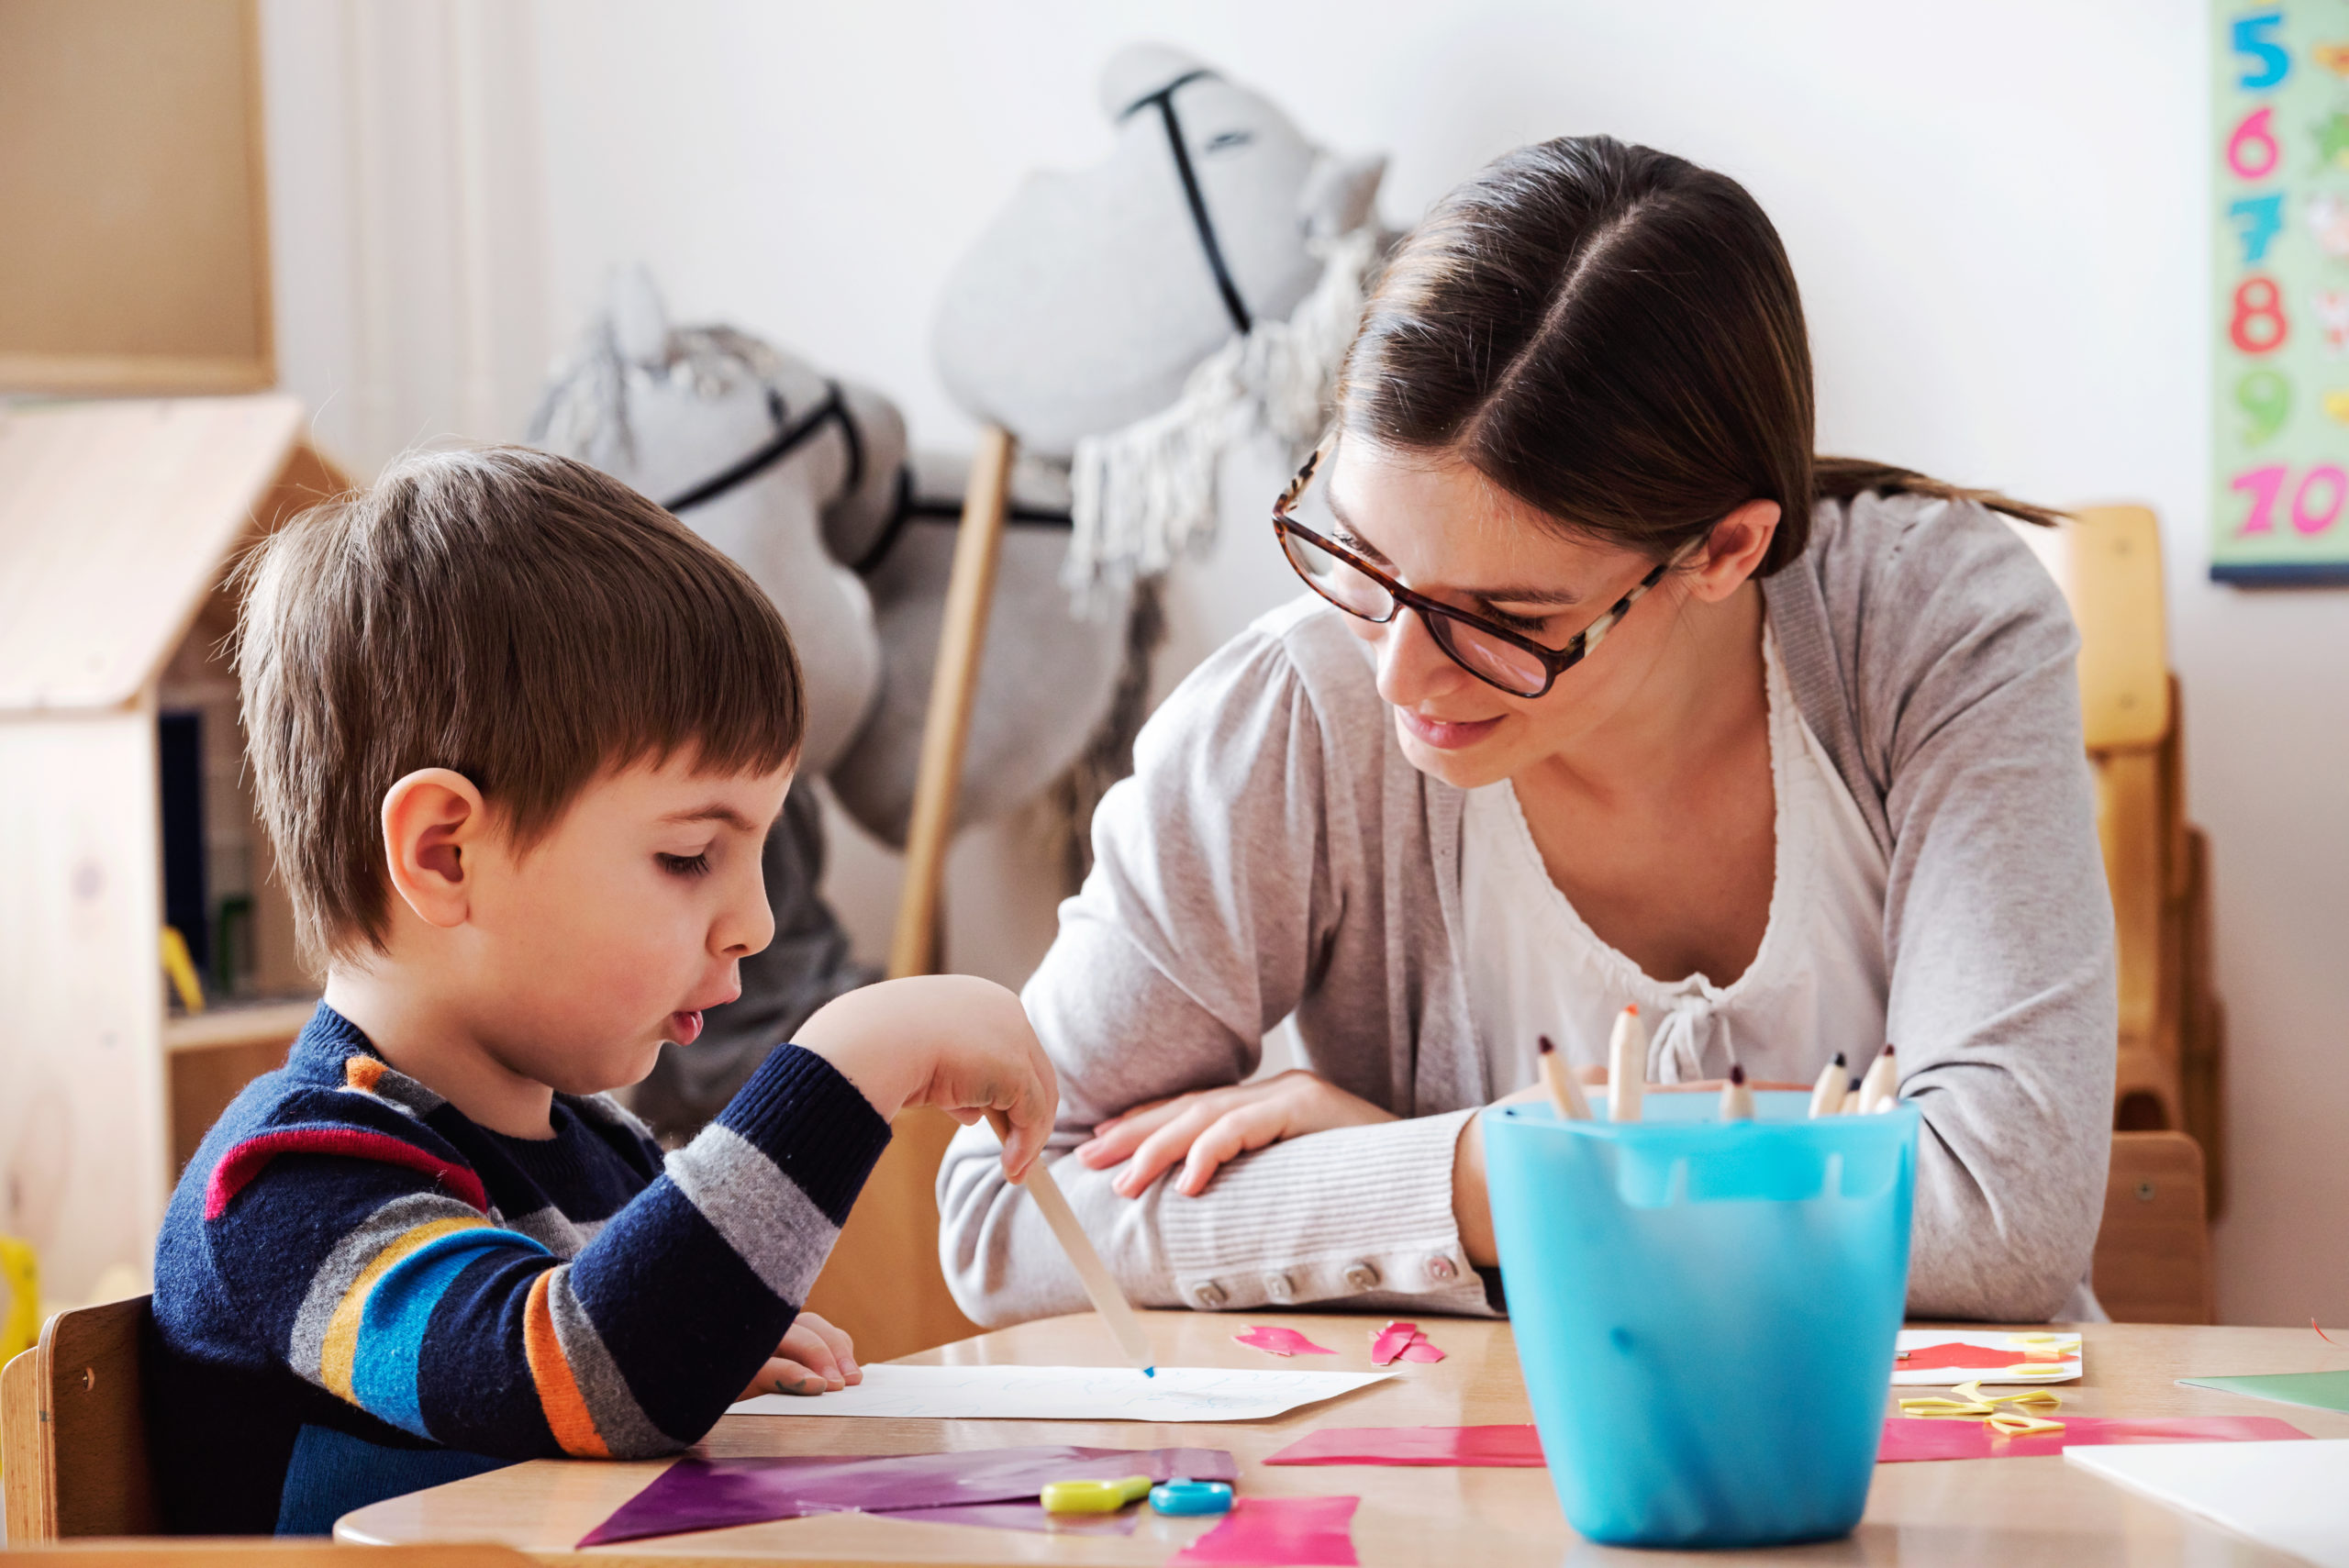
{"x":1706,"y":1313}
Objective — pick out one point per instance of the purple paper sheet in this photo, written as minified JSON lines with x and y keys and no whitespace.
{"x":712,"y":1494}
{"x":1021,"y":1515}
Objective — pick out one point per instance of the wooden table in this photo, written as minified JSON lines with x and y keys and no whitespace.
{"x":2011,"y":1512}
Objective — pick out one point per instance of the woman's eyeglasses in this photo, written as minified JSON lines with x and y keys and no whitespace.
{"x":1486,"y":649}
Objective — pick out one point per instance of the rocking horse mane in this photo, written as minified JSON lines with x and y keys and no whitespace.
{"x":585,"y":409}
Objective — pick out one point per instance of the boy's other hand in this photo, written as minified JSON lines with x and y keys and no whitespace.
{"x":814,"y":1358}
{"x":954,"y":1042}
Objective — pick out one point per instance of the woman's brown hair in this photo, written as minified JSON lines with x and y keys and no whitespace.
{"x":1613,"y":335}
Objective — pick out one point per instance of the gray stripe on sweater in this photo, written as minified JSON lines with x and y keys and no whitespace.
{"x":620,"y":1422}
{"x":761,"y":1212}
{"x":348,"y":1258}
{"x":556,"y":1231}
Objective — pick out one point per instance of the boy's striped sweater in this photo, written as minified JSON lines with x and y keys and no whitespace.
{"x":359,"y":1292}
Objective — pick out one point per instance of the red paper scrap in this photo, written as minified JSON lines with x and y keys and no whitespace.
{"x":1310,"y":1532}
{"x":1979,"y":1358}
{"x":1402,"y":1340}
{"x":1281,"y":1341}
{"x":1498,"y":1447}
{"x":1912,"y":1437}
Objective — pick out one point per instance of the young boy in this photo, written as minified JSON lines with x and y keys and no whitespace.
{"x":518,"y":737}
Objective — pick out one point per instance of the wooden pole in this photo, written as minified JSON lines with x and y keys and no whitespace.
{"x":884,"y":1283}
{"x":947,"y":728}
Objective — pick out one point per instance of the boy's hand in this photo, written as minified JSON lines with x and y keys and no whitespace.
{"x":954,"y":1042}
{"x":814,"y":1358}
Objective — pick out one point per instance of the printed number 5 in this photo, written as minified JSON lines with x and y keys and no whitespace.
{"x":2271,"y":61}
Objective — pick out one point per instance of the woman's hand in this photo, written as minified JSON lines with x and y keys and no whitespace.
{"x":1206,"y":1128}
{"x":814,"y":1358}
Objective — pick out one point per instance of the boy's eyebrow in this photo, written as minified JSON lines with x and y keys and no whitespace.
{"x":715,"y":811}
{"x":1511,"y":596}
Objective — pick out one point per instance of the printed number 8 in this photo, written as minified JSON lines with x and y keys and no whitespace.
{"x":2258,"y":299}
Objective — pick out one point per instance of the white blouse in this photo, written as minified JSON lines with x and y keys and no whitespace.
{"x":1817,"y":985}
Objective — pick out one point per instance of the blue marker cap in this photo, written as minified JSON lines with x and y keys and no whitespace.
{"x":1179,"y":1496}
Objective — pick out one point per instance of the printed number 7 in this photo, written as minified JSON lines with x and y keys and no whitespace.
{"x":2273,"y":62}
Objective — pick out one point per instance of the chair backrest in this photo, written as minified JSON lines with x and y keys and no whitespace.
{"x":73,"y":1429}
{"x":2152,"y":1255}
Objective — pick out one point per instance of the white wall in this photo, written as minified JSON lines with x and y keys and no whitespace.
{"x":1997,"y":213}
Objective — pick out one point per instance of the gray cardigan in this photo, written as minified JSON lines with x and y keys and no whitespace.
{"x":1275,"y":854}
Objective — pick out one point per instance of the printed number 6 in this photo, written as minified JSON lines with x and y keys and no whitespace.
{"x":2273,"y":61}
{"x":2252,"y":151}
{"x":2257,"y":300}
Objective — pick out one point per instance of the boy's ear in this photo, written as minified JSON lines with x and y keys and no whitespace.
{"x":1734,"y":551}
{"x":433,"y":819}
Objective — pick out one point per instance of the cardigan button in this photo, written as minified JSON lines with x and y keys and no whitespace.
{"x":1363,"y":1276}
{"x":1441,"y":1267}
{"x":1211,"y":1294}
{"x":1278,"y":1287}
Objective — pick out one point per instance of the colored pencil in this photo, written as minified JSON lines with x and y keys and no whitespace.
{"x":1627,"y":1065}
{"x":1827,"y":1094}
{"x":1565,"y":1091}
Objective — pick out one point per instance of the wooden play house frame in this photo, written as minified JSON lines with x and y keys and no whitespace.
{"x":120,"y":523}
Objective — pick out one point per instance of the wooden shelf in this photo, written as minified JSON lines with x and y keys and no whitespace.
{"x":238,"y":1024}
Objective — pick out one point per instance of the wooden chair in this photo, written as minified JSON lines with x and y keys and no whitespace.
{"x":2154,"y":1251}
{"x":883,"y":1283}
{"x":2153,"y":1256}
{"x":74,"y":1430}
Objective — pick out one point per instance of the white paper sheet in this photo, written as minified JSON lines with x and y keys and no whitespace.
{"x":1069,"y":1394}
{"x":2284,"y":1494}
{"x":2009,"y":1347}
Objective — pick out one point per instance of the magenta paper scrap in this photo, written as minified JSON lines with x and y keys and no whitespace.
{"x":1281,"y":1341}
{"x":1280,"y":1532}
{"x":1915,"y":1437}
{"x":1504,"y":1447}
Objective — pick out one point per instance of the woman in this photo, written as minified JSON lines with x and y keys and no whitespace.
{"x":1607,"y":692}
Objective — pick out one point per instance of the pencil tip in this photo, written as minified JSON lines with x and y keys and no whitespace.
{"x":1839,"y":1059}
{"x":1855,"y":1084}
{"x":1546,"y":1046}
{"x":1634,"y":1010}
{"x":1736,"y":1074}
{"x":1150,"y":1372}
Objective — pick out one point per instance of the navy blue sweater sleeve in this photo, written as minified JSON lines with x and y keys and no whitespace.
{"x":365,"y":1254}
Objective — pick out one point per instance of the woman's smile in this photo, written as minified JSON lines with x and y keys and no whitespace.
{"x":1447,"y":734}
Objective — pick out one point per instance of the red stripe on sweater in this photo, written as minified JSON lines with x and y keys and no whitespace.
{"x":245,"y":1161}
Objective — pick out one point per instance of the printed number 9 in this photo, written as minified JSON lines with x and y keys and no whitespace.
{"x":2273,"y":61}
{"x":2257,"y":300}
{"x":2267,"y":398}
{"x":2252,"y":151}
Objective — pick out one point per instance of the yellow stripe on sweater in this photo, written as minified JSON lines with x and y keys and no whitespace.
{"x":566,"y":1409}
{"x":340,"y":1351}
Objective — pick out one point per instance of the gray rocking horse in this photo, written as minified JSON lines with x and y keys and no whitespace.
{"x":805,"y":482}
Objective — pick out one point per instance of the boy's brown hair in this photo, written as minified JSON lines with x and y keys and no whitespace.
{"x":516,"y":617}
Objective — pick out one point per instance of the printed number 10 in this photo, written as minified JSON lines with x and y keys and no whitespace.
{"x":2316,"y":502}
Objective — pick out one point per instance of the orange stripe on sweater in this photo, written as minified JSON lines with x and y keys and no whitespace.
{"x":559,"y":1395}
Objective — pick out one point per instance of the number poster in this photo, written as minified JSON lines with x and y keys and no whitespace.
{"x":2281,"y":279}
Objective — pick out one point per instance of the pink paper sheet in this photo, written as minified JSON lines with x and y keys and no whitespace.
{"x":1403,"y":1339}
{"x":1313,"y":1531}
{"x":1912,"y":1437}
{"x":1514,"y":1448}
{"x":1280,"y":1341}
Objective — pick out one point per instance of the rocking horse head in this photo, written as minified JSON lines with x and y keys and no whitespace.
{"x":1092,"y":295}
{"x":785,"y":471}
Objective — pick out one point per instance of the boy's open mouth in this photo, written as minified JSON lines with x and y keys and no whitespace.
{"x":685,"y":1028}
